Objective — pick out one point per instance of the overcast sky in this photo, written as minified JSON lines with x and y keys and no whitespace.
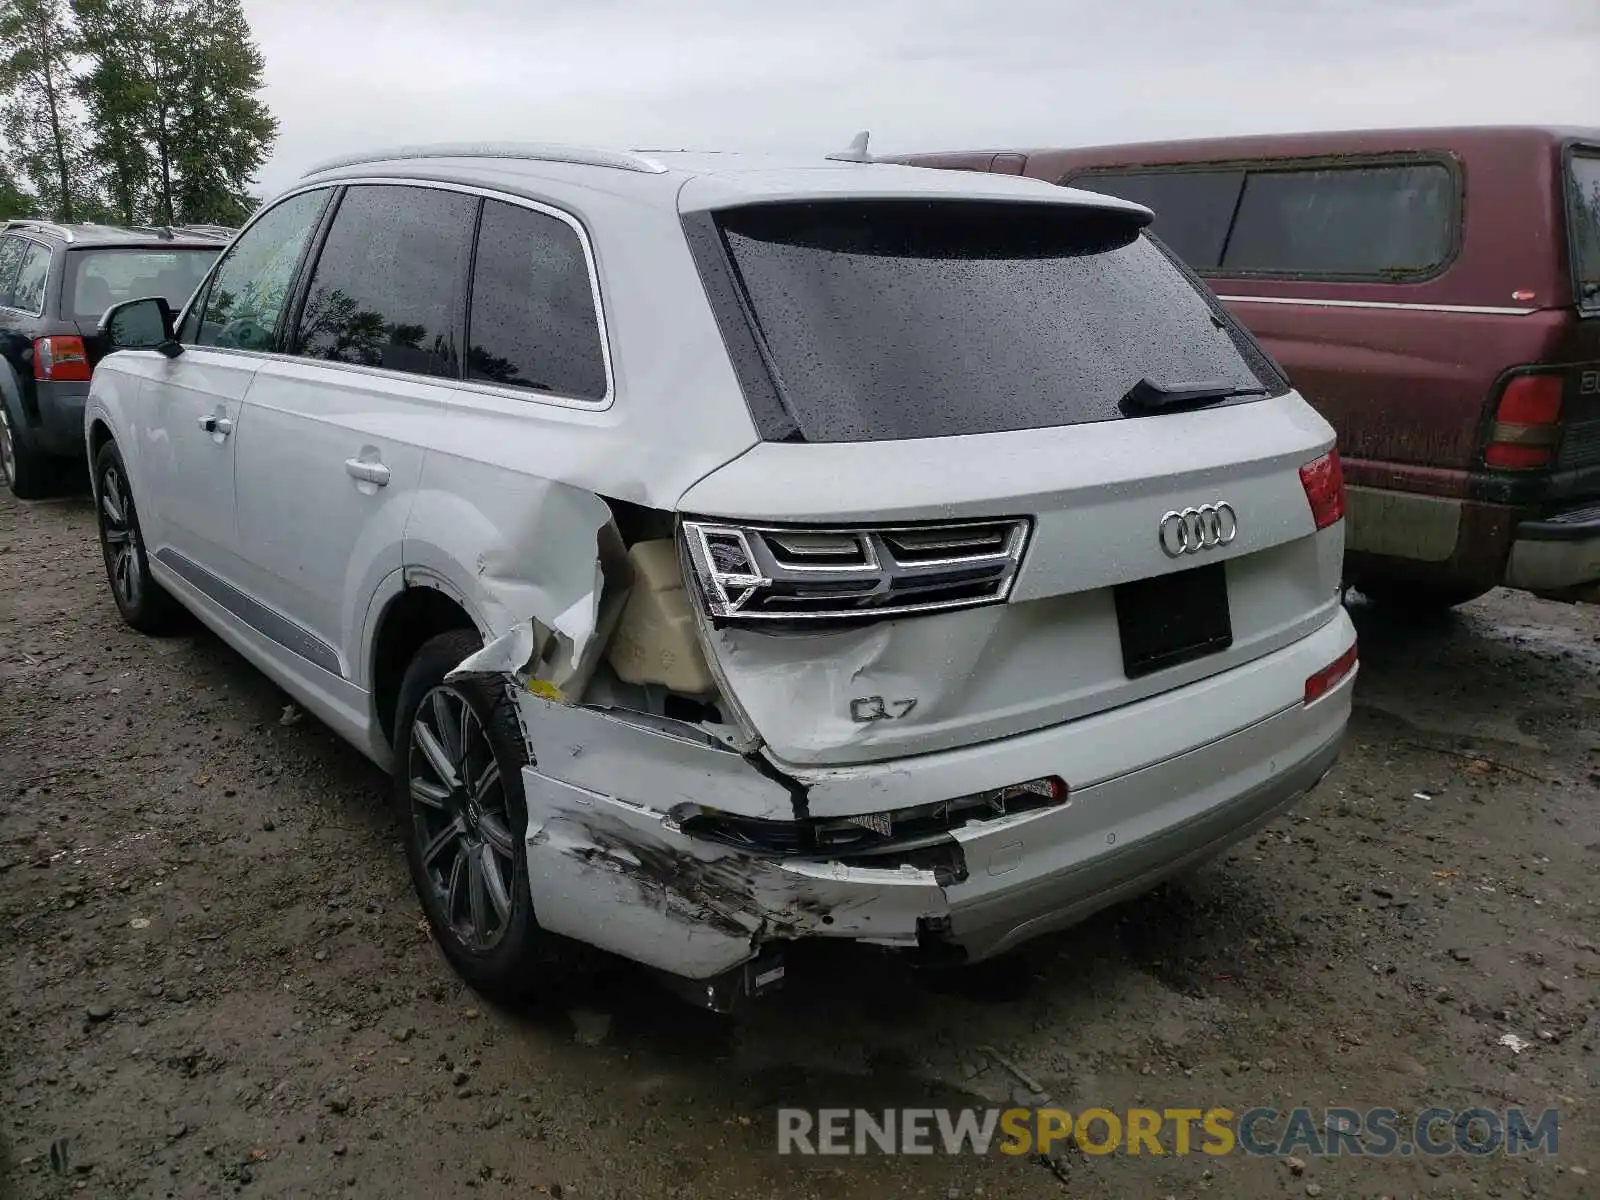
{"x":920,"y":74}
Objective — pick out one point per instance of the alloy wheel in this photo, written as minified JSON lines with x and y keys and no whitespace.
{"x":459,"y":811}
{"x":119,"y":532}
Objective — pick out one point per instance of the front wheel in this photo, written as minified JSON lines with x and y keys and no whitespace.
{"x":143,"y":603}
{"x":459,"y":754}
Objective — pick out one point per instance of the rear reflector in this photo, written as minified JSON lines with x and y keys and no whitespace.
{"x":1325,"y":680}
{"x":61,"y":359}
{"x":1324,"y":484}
{"x":1526,"y":423}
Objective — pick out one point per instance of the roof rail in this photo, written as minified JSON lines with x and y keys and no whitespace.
{"x":60,"y":231}
{"x":587,"y":156}
{"x":205,"y":229}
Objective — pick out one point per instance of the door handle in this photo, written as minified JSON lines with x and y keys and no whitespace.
{"x":367,"y":472}
{"x":212,"y":423}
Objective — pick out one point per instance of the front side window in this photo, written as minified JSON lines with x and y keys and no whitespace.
{"x":11,"y":249}
{"x":1193,"y":208}
{"x":887,"y":319}
{"x":1583,"y":216}
{"x":533,"y":323}
{"x":97,"y":279}
{"x":245,"y":303}
{"x":1393,"y":221}
{"x":28,"y":294}
{"x":387,"y":284}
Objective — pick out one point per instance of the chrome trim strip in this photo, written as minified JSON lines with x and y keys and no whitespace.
{"x":272,"y":625}
{"x":461,"y":385}
{"x":1487,"y":310}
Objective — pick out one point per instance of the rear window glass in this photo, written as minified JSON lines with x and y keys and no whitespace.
{"x":1349,"y":221}
{"x":1193,"y":208}
{"x":533,"y":323}
{"x":97,"y":279}
{"x":893,"y":319}
{"x":1585,"y":219}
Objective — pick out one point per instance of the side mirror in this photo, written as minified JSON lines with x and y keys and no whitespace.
{"x":141,"y":325}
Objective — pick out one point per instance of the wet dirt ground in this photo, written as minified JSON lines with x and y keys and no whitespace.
{"x":213,"y":979}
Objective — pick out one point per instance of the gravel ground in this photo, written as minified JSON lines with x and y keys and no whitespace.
{"x":215,"y":979}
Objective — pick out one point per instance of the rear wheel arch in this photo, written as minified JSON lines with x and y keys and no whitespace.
{"x":412,"y":618}
{"x":99,"y":435}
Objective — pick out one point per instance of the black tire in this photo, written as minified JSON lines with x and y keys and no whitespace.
{"x":144,"y":604}
{"x":29,"y":474}
{"x":473,"y":844}
{"x":1416,"y":599}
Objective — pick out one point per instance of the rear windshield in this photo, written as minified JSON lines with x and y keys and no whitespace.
{"x":97,"y":279}
{"x":888,"y":320}
{"x":1585,"y":217}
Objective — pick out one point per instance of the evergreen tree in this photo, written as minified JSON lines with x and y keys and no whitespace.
{"x":37,"y":48}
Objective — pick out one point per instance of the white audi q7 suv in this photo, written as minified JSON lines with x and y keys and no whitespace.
{"x":722,"y":551}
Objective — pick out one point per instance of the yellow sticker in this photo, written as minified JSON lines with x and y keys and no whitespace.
{"x":546,"y":690}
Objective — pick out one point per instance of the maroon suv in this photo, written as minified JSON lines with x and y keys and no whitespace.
{"x":1436,"y":294}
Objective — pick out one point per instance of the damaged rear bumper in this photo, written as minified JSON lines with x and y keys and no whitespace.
{"x":610,"y":866}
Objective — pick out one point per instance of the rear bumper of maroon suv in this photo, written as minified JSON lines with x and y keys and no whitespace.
{"x":1558,"y":553}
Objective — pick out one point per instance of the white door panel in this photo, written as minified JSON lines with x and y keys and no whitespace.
{"x":193,"y":408}
{"x":326,"y":478}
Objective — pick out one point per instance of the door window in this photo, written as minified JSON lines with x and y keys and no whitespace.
{"x":387,"y":285}
{"x":244,"y":307}
{"x":31,"y":276}
{"x":533,"y":322}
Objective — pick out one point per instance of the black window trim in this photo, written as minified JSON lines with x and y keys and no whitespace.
{"x":1571,"y":149}
{"x":51,"y":272}
{"x":1324,"y":162}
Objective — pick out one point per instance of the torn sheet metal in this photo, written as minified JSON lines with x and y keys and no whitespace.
{"x":653,"y":762}
{"x":618,"y":876}
{"x":552,"y":593}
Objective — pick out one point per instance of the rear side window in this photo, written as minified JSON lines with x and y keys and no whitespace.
{"x":1193,"y":208}
{"x":1584,"y":217}
{"x":387,"y":284}
{"x":11,"y":249}
{"x":28,"y":294}
{"x":1375,"y":221}
{"x":1344,"y":221}
{"x":889,"y":319}
{"x":533,"y":322}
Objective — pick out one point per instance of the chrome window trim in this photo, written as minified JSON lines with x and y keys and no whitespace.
{"x":525,"y":396}
{"x":1313,"y":302}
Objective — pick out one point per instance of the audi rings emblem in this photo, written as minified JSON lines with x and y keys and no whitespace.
{"x":1191,"y":530}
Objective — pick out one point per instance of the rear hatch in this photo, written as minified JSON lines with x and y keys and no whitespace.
{"x":1020,"y":467}
{"x":99,"y":276}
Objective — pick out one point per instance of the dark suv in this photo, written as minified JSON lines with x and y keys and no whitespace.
{"x":56,"y":281}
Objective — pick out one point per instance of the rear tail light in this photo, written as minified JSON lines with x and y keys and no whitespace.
{"x":61,"y":359}
{"x":749,"y":573}
{"x":1527,"y":423}
{"x":1324,"y":484}
{"x":1325,"y":680}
